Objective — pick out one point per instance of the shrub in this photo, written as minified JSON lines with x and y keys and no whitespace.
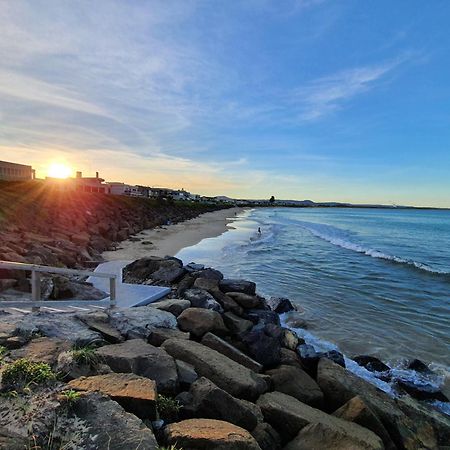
{"x":24,"y":372}
{"x":168,"y":408}
{"x":3,"y":352}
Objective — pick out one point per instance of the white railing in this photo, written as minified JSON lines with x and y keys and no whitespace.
{"x":36,"y":271}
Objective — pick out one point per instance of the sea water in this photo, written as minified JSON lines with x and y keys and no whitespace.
{"x":367,"y":281}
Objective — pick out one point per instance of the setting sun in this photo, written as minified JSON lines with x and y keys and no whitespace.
{"x":58,"y":170}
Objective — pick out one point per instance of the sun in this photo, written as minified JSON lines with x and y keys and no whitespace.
{"x":59,"y":170}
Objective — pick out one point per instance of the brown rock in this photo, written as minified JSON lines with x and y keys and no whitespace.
{"x":173,"y":305}
{"x":319,"y":436}
{"x":199,"y":321}
{"x":355,"y":410}
{"x":135,"y":394}
{"x":42,"y":349}
{"x":208,"y":434}
{"x":288,"y":416}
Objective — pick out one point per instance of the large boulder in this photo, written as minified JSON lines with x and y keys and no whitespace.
{"x":199,"y":321}
{"x":199,"y":298}
{"x":209,"y":434}
{"x":320,"y":436}
{"x":355,"y":410}
{"x":221,"y":346}
{"x":98,"y":321}
{"x":159,"y":335}
{"x":243,"y":286}
{"x":339,"y":386}
{"x":211,"y":402}
{"x":110,"y":427}
{"x":245,"y":300}
{"x":262,"y":346}
{"x":173,"y":305}
{"x":138,"y":357}
{"x":139,"y":322}
{"x":164,"y":270}
{"x":135,"y":394}
{"x":230,"y":376}
{"x":288,"y":415}
{"x":295,"y":382}
{"x":62,"y":326}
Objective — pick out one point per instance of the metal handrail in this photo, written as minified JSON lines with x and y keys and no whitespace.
{"x":37,"y":269}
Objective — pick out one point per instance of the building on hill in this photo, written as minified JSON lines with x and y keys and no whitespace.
{"x":81,"y":184}
{"x":16,"y":172}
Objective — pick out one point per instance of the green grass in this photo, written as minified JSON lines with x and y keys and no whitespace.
{"x":172,"y":447}
{"x":86,"y":356}
{"x":23,"y":373}
{"x":3,"y":353}
{"x":168,"y":408}
{"x":70,"y":396}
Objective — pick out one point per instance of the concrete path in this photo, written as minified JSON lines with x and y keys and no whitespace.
{"x":128,"y":295}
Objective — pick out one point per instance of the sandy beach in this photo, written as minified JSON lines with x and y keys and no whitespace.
{"x":169,"y":240}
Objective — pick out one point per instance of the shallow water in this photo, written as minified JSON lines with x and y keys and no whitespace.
{"x":372,"y":281}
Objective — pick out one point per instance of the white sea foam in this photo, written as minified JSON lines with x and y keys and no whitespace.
{"x":341,"y":239}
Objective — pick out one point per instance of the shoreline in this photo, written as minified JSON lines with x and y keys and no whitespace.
{"x":169,"y":240}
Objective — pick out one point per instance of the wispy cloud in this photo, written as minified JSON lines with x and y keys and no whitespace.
{"x":327,"y":94}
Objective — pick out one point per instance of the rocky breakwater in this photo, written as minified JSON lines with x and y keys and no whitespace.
{"x":41,"y":225}
{"x":210,"y":367}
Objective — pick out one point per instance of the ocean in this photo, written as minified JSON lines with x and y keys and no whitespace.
{"x":366,"y":281}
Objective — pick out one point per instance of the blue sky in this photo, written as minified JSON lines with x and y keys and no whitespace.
{"x":321,"y":99}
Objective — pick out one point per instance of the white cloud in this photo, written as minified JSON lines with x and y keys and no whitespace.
{"x":326,"y":94}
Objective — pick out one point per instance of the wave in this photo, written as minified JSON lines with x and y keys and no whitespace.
{"x":339,"y":238}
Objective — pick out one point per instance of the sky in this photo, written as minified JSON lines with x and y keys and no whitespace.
{"x":328,"y":100}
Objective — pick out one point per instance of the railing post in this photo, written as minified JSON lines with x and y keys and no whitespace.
{"x":112,"y":291}
{"x":35,"y":288}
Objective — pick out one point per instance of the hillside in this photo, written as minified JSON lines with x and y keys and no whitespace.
{"x":42,"y":225}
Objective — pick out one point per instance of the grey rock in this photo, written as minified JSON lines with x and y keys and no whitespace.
{"x":267,"y":437}
{"x":65,"y":327}
{"x":230,"y":376}
{"x":221,"y":346}
{"x":245,"y":300}
{"x":159,"y":335}
{"x":295,"y":382}
{"x":139,"y":322}
{"x":262,"y":347}
{"x":209,"y":401}
{"x":339,"y":386}
{"x":236,"y":324}
{"x":138,"y":357}
{"x":110,"y":426}
{"x":263,"y":316}
{"x":186,"y":374}
{"x":280,"y":305}
{"x":232,"y":285}
{"x":199,"y":298}
{"x":211,"y":274}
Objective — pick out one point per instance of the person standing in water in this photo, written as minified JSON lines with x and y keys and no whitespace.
{"x":259,"y":230}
